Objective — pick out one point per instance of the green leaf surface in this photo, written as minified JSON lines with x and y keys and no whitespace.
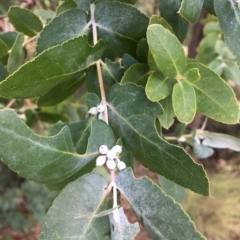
{"x":142,"y":51}
{"x":47,"y":159}
{"x":220,"y":140}
{"x":3,"y":72}
{"x":158,"y":86}
{"x":9,"y":38}
{"x":209,"y":6}
{"x":37,"y":77}
{"x":121,"y":26}
{"x":67,"y":5}
{"x":222,"y":49}
{"x":215,"y":98}
{"x":184,"y":102}
{"x":62,"y":91}
{"x":112,"y":73}
{"x":84,"y":4}
{"x":138,"y":73}
{"x":167,"y":118}
{"x":167,"y":51}
{"x":24,"y":21}
{"x":61,"y":31}
{"x":159,"y":20}
{"x":192,"y":75}
{"x":177,"y":192}
{"x":17,"y":54}
{"x":3,"y":48}
{"x":160,"y":215}
{"x":45,"y":15}
{"x":132,"y":117}
{"x":217,"y":65}
{"x":229,"y":18}
{"x":191,"y":9}
{"x":169,"y":11}
{"x":201,"y":151}
{"x":128,"y":61}
{"x":232,"y":72}
{"x":73,"y":214}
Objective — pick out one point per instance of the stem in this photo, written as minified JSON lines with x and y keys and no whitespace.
{"x":99,"y":71}
{"x":204,"y":123}
{"x":30,"y":40}
{"x":10,"y":103}
{"x":176,"y":138}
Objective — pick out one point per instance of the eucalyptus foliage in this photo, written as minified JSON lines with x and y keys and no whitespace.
{"x":138,"y":79}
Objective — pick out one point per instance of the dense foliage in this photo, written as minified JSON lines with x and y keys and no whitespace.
{"x":133,"y":78}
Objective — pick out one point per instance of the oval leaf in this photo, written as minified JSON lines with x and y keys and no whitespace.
{"x":184,"y":102}
{"x":74,"y":212}
{"x":24,"y":21}
{"x":132,"y":117}
{"x":37,"y":77}
{"x":160,"y":215}
{"x":167,"y":51}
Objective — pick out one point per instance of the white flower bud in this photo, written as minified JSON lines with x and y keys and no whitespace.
{"x":93,"y":110}
{"x":111,"y":155}
{"x":100,"y":108}
{"x":117,"y":149}
{"x":182,"y":139}
{"x":121,"y":165}
{"x":100,"y":160}
{"x":101,"y":116}
{"x":103,"y":149}
{"x":111,"y":164}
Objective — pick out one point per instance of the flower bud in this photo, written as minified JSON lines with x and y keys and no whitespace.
{"x":117,"y":149}
{"x":103,"y":149}
{"x":111,"y":155}
{"x":100,"y":108}
{"x":100,"y":160}
{"x":93,"y":110}
{"x":111,"y":164}
{"x":101,"y":116}
{"x":121,"y":165}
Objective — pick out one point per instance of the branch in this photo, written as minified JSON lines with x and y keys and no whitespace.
{"x":99,"y":71}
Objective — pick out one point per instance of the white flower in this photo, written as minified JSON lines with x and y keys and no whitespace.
{"x":111,"y":154}
{"x":103,"y":149}
{"x":111,"y":164}
{"x":101,"y":116}
{"x":93,"y":111}
{"x":100,"y":108}
{"x":117,"y":149}
{"x":121,"y":165}
{"x":100,"y":160}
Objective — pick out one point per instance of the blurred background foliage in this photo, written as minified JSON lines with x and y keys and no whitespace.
{"x":23,"y":204}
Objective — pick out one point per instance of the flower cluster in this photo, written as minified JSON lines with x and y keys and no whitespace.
{"x":97,"y":110}
{"x":110,"y":157}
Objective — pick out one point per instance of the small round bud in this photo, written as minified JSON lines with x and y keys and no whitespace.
{"x":103,"y":149}
{"x":117,"y":149}
{"x":100,"y":108}
{"x":111,"y":164}
{"x":111,"y":155}
{"x":100,"y":160}
{"x":121,"y":165}
{"x":182,"y":139}
{"x":101,"y":116}
{"x":93,"y":111}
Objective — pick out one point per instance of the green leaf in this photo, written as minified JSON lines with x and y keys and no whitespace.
{"x":209,"y":6}
{"x":229,"y":18}
{"x":62,"y":91}
{"x":132,"y":117}
{"x":142,"y":51}
{"x":73,"y":214}
{"x":112,"y":73}
{"x":128,"y":61}
{"x":158,"y":86}
{"x":138,"y":73}
{"x":191,"y":9}
{"x":201,"y":151}
{"x":169,"y":11}
{"x":17,"y":55}
{"x":167,"y":118}
{"x":67,"y":5}
{"x":8,"y":38}
{"x":184,"y":102}
{"x":3,"y":49}
{"x":217,"y":65}
{"x":192,"y":75}
{"x":51,"y":159}
{"x":167,"y":51}
{"x":159,"y":20}
{"x":3,"y":72}
{"x":215,"y":98}
{"x":219,"y":140}
{"x":45,"y":15}
{"x":84,"y":4}
{"x":121,"y":26}
{"x":61,"y":31}
{"x":172,"y":189}
{"x":51,"y":68}
{"x":222,"y":49}
{"x":123,"y":230}
{"x":160,"y":215}
{"x":24,"y":21}
{"x":231,"y":72}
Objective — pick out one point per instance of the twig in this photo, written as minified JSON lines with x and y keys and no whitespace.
{"x":99,"y":71}
{"x":176,"y":138}
{"x":30,"y":40}
{"x":10,"y":103}
{"x":204,"y":123}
